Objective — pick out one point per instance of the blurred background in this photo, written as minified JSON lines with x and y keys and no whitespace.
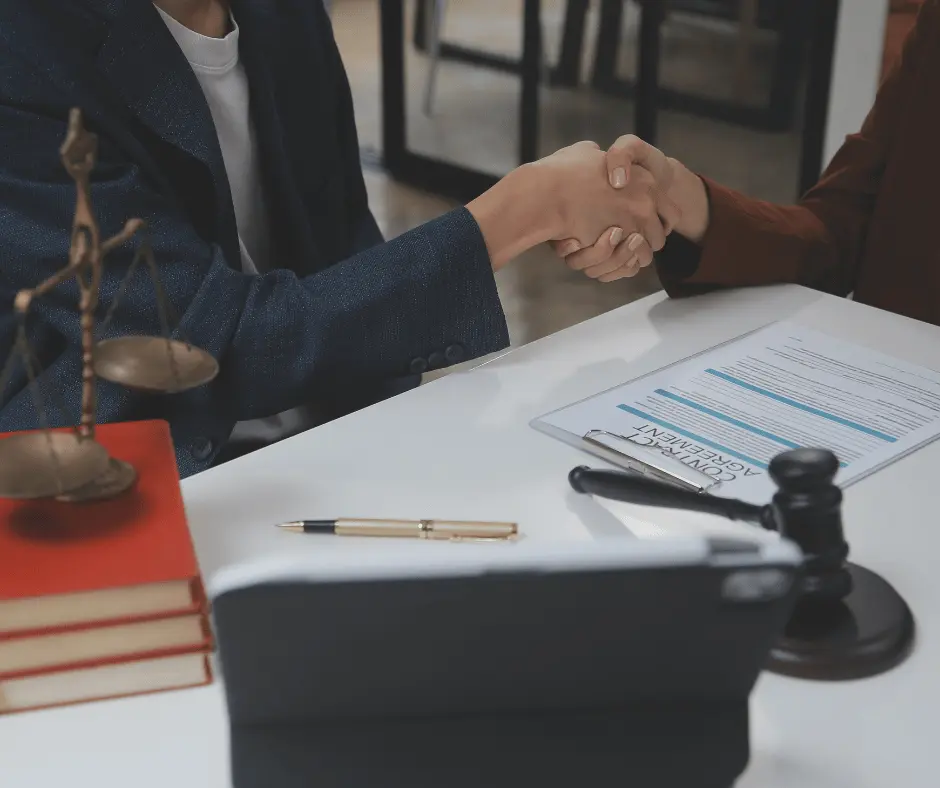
{"x":452,"y":94}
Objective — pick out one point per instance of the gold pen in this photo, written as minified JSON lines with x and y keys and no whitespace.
{"x":414,"y":529}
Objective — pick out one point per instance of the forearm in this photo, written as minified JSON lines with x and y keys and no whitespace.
{"x":512,"y":217}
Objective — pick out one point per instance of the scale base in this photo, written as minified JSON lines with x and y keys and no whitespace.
{"x":117,"y":479}
{"x":868,"y":633}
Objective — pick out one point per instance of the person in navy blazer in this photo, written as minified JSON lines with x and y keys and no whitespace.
{"x":343,"y":319}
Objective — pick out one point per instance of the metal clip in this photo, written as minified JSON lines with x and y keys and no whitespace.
{"x":653,"y":461}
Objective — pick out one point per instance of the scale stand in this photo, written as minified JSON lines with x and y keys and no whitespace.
{"x":848,"y":622}
{"x":71,"y":466}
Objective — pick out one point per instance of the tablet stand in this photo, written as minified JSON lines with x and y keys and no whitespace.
{"x":848,"y":622}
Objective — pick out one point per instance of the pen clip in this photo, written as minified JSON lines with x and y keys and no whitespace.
{"x":653,"y":461}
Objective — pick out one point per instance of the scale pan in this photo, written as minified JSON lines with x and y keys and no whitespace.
{"x":45,"y":464}
{"x":154,"y":364}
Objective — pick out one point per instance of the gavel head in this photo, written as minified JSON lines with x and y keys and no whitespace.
{"x":807,"y":509}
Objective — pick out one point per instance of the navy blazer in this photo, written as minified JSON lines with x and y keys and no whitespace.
{"x":343,"y":321}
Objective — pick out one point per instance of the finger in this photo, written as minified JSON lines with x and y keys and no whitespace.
{"x":627,"y":151}
{"x":607,"y":268}
{"x":631,"y":269}
{"x":653,"y":232}
{"x":642,"y":257}
{"x":598,"y":253}
{"x":589,"y":143}
{"x":651,"y":228}
{"x":625,"y":255}
{"x":567,"y":247}
{"x":669,"y":213}
{"x":643,"y":251}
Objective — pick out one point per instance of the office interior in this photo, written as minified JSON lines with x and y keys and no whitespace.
{"x":450,"y":95}
{"x":754,"y":93}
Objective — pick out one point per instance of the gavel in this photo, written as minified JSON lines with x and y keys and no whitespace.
{"x":848,"y":622}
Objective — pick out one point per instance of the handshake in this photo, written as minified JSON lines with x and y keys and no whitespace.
{"x":605,"y":213}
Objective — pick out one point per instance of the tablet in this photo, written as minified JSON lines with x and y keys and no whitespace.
{"x":442,"y":630}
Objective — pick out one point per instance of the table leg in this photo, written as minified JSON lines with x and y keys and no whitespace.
{"x":425,"y":172}
{"x":531,"y":78}
{"x":392,"y":22}
{"x":647,"y":87}
{"x":796,"y":26}
{"x":646,"y":91}
{"x":824,"y":25}
{"x":438,"y":9}
{"x":568,"y":71}
{"x":610,"y":28}
{"x":747,"y":27}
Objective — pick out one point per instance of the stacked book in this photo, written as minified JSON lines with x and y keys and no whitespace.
{"x":103,"y":599}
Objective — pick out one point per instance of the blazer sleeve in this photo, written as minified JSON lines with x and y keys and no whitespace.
{"x":281,"y":340}
{"x":819,"y":241}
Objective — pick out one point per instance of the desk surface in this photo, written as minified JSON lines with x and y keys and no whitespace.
{"x":461,"y":447}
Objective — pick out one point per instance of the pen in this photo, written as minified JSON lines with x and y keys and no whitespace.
{"x":415,"y":529}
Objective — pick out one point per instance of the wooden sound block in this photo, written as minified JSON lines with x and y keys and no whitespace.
{"x":868,"y":633}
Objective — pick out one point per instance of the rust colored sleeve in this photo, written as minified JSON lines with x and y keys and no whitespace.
{"x":817,"y":242}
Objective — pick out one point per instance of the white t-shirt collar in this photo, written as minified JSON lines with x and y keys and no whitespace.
{"x":204,"y":52}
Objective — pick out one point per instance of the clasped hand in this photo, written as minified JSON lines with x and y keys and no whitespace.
{"x":617,"y":211}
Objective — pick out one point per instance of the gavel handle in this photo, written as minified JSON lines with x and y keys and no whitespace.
{"x":634,"y":488}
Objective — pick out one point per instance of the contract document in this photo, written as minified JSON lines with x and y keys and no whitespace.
{"x":725,"y":413}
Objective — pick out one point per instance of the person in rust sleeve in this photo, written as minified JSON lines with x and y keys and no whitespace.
{"x":869,"y":227}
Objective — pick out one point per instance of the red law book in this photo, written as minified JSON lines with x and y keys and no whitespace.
{"x":103,"y":599}
{"x":73,"y":565}
{"x":107,"y":679}
{"x":76,"y":647}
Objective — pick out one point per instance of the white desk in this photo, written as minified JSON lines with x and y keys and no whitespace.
{"x":460,"y":447}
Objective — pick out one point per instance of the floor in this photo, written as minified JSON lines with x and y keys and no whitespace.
{"x":474,"y":121}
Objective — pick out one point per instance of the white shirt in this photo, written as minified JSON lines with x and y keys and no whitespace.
{"x":221,"y":75}
{"x":222,"y":78}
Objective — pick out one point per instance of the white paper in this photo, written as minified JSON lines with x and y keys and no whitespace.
{"x":729,"y":411}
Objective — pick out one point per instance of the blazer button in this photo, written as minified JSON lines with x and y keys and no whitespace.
{"x":418,"y":366}
{"x":201,"y":448}
{"x":436,"y":360}
{"x":454,"y":354}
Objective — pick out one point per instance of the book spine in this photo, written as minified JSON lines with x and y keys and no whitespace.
{"x":199,"y":605}
{"x":204,"y":647}
{"x":206,"y":680}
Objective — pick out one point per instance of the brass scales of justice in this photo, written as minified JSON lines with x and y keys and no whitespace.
{"x":70,"y":465}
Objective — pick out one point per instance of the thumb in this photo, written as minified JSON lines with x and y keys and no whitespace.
{"x":630,"y":150}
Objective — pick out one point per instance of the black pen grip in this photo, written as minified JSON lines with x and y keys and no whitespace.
{"x":641,"y":490}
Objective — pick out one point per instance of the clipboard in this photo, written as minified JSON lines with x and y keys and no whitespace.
{"x":629,"y":456}
{"x":598,"y":436}
{"x":652,"y":461}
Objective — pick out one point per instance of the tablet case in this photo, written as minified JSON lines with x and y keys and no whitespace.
{"x":629,"y":677}
{"x":652,"y":745}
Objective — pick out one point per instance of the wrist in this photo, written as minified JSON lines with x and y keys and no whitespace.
{"x":689,"y":194}
{"x":511,"y":216}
